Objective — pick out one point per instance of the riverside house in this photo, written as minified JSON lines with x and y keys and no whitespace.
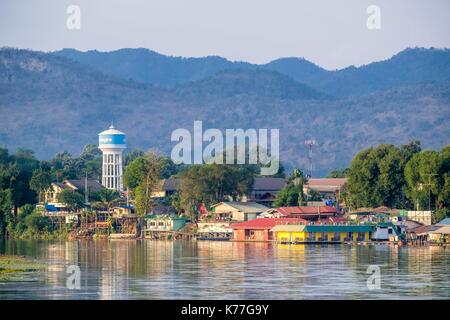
{"x":162,"y":226}
{"x":322,"y":233}
{"x":309,"y":213}
{"x":237,"y":211}
{"x":259,"y":229}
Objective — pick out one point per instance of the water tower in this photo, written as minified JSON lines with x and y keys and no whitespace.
{"x":112,"y":143}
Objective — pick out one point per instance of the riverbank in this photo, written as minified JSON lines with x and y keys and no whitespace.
{"x":17,"y":268}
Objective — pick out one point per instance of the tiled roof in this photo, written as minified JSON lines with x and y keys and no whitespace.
{"x":266,"y":223}
{"x":307,"y":210}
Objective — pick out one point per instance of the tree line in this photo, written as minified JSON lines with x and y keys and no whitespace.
{"x":405,"y":177}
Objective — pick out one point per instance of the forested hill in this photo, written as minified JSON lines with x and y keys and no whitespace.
{"x":410,"y":66}
{"x":55,"y":101}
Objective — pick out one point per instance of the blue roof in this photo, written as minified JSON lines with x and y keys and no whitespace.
{"x":445,"y":221}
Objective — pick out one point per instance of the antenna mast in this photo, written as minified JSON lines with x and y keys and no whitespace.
{"x":310,"y":143}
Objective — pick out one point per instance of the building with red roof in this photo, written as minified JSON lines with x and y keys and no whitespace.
{"x":259,"y":229}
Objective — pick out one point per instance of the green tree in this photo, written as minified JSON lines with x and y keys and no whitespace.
{"x":22,"y":165}
{"x":212,"y":183}
{"x":6,"y":207}
{"x":292,"y":194}
{"x":376,"y":176}
{"x":425,"y":179}
{"x":339,"y":173}
{"x":72,"y":199}
{"x":108,"y":198}
{"x":142,"y":177}
{"x":40,"y":182}
{"x":90,"y":162}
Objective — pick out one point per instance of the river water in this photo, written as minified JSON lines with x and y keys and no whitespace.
{"x":129,"y":269}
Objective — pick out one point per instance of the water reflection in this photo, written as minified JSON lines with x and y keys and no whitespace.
{"x":130,"y":269}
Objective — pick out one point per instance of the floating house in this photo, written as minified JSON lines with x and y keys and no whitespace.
{"x":322,"y":233}
{"x":386,"y":231}
{"x":164,"y":223}
{"x":259,"y":229}
{"x":214,"y":230}
{"x":164,"y":227}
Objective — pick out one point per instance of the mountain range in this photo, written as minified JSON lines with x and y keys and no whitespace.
{"x":61,"y":100}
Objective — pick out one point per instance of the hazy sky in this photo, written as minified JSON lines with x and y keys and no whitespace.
{"x":331,"y":33}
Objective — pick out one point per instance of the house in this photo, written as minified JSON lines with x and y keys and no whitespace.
{"x":423,"y":217}
{"x":123,"y":211}
{"x":164,"y":223}
{"x":440,"y":235}
{"x":386,"y":231}
{"x":308,"y":213}
{"x":259,"y":229}
{"x":322,"y":233}
{"x":270,"y":213}
{"x":327,"y":187}
{"x":164,"y":227}
{"x":265,"y":189}
{"x":237,"y":211}
{"x":166,"y":187}
{"x":214,"y":230}
{"x":51,"y":196}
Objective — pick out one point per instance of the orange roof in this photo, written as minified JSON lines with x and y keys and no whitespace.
{"x":266,"y":223}
{"x":327,"y":182}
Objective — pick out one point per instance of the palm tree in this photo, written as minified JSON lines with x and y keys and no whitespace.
{"x":297,"y":178}
{"x":108,"y":198}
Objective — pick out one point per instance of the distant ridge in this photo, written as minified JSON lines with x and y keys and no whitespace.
{"x":410,"y":66}
{"x":51,"y":102}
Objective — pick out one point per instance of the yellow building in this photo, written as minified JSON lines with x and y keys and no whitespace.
{"x":322,"y":233}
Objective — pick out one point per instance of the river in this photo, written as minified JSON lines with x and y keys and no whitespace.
{"x":129,"y":269}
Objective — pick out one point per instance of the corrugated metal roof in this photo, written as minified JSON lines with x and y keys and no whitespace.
{"x":247,"y":207}
{"x":288,"y":228}
{"x":266,"y":183}
{"x":265,"y":223}
{"x":307,"y":210}
{"x":444,"y":222}
{"x":442,"y":230}
{"x":338,"y":228}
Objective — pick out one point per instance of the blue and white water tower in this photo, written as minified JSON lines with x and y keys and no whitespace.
{"x":112,"y":143}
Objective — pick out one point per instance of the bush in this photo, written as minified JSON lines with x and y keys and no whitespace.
{"x":440,"y":214}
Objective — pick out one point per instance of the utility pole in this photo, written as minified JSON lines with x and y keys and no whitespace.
{"x":429,"y":188}
{"x":86,"y":195}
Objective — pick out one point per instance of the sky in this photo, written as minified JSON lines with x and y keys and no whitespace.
{"x":330,"y":33}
